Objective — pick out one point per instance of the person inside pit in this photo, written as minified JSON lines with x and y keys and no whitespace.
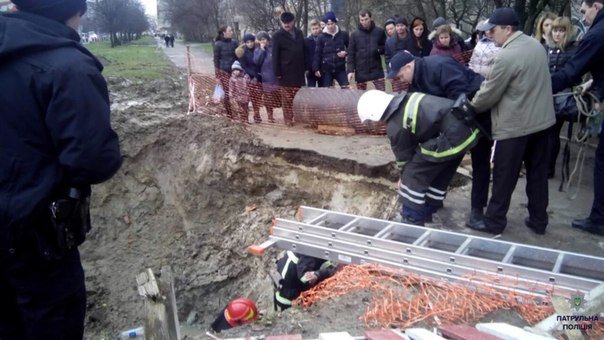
{"x":299,"y":273}
{"x":238,"y":312}
{"x":428,"y":138}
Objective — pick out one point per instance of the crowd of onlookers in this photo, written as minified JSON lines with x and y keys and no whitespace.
{"x":270,"y":70}
{"x":280,"y":64}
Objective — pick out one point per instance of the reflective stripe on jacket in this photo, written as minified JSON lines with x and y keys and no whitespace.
{"x":424,"y":125}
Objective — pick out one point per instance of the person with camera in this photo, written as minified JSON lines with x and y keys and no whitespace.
{"x":55,"y":141}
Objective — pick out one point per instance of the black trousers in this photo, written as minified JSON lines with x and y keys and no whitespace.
{"x":425,"y":185}
{"x":481,"y":165}
{"x":509,"y":155}
{"x":554,"y":146}
{"x":39,"y":298}
{"x":597,"y":209}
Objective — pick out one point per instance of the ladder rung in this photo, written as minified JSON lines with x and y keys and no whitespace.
{"x":422,"y":239}
{"x":462,"y":248}
{"x":510,"y":254}
{"x":382,"y":233}
{"x":558,"y":264}
{"x":348,"y":225}
{"x":317,"y":219}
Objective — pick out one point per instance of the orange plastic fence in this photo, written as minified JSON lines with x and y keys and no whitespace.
{"x":329,"y":110}
{"x":403,"y":299}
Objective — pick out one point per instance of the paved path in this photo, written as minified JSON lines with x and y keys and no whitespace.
{"x":201,"y":61}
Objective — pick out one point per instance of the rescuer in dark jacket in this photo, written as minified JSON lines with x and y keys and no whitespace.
{"x":428,"y":139}
{"x":55,"y":141}
{"x":443,"y":76}
{"x":299,"y":273}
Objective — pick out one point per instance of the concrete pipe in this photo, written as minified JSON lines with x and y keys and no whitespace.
{"x":332,"y":107}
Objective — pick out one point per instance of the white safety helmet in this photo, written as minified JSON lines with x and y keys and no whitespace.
{"x":372,"y":104}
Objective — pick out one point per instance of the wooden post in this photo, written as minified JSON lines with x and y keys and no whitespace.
{"x":162,"y":315}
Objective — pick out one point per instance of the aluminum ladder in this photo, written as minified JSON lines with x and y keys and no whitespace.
{"x":352,"y":239}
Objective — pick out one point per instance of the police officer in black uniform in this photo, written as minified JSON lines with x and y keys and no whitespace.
{"x":55,"y":141}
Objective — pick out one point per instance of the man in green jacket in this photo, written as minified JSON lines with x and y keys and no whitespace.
{"x":518,"y":93}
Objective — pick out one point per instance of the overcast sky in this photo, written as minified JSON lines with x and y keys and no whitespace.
{"x":150,"y":6}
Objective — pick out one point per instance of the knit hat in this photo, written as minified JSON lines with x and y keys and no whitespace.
{"x":401,"y":20}
{"x":389,"y":21}
{"x":236,"y":66}
{"x":263,"y":35}
{"x":249,"y":36}
{"x":59,"y":10}
{"x":287,"y":17}
{"x":438,"y":22}
{"x":330,"y":16}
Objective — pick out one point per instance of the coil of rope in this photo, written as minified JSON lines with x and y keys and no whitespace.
{"x":588,"y":118}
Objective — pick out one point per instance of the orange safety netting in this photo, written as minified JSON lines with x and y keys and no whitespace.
{"x":328,"y":110}
{"x":403,"y":299}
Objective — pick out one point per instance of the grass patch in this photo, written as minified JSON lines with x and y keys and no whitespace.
{"x":138,"y":60}
{"x":207,"y":48}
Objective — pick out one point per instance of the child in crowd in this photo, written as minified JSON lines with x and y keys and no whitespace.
{"x":238,"y":84}
{"x":445,"y":44}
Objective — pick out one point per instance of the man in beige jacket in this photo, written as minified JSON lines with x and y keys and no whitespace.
{"x":517,"y":91}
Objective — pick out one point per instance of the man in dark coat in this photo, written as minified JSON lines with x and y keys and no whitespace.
{"x":443,"y":76}
{"x":588,"y":58}
{"x":289,"y":63}
{"x":55,"y":141}
{"x":364,"y":53}
{"x":396,"y":42}
{"x":329,"y":60}
{"x":310,"y":45}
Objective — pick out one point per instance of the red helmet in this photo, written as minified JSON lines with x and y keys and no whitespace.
{"x":241,"y":311}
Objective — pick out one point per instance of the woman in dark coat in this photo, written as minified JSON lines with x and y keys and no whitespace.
{"x":561,"y":46}
{"x":224,"y":57}
{"x":418,"y":43}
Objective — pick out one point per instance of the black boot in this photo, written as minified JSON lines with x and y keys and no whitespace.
{"x":476,"y":218}
{"x":532,"y":226}
{"x":588,"y":225}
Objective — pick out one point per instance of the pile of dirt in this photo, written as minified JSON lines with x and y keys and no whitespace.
{"x":180,"y":199}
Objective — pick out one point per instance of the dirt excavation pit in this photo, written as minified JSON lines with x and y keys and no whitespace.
{"x":193,"y":192}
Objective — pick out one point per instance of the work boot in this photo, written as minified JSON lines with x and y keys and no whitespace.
{"x":532,"y":226}
{"x":476,"y":218}
{"x":410,"y":220}
{"x":586,"y":224}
